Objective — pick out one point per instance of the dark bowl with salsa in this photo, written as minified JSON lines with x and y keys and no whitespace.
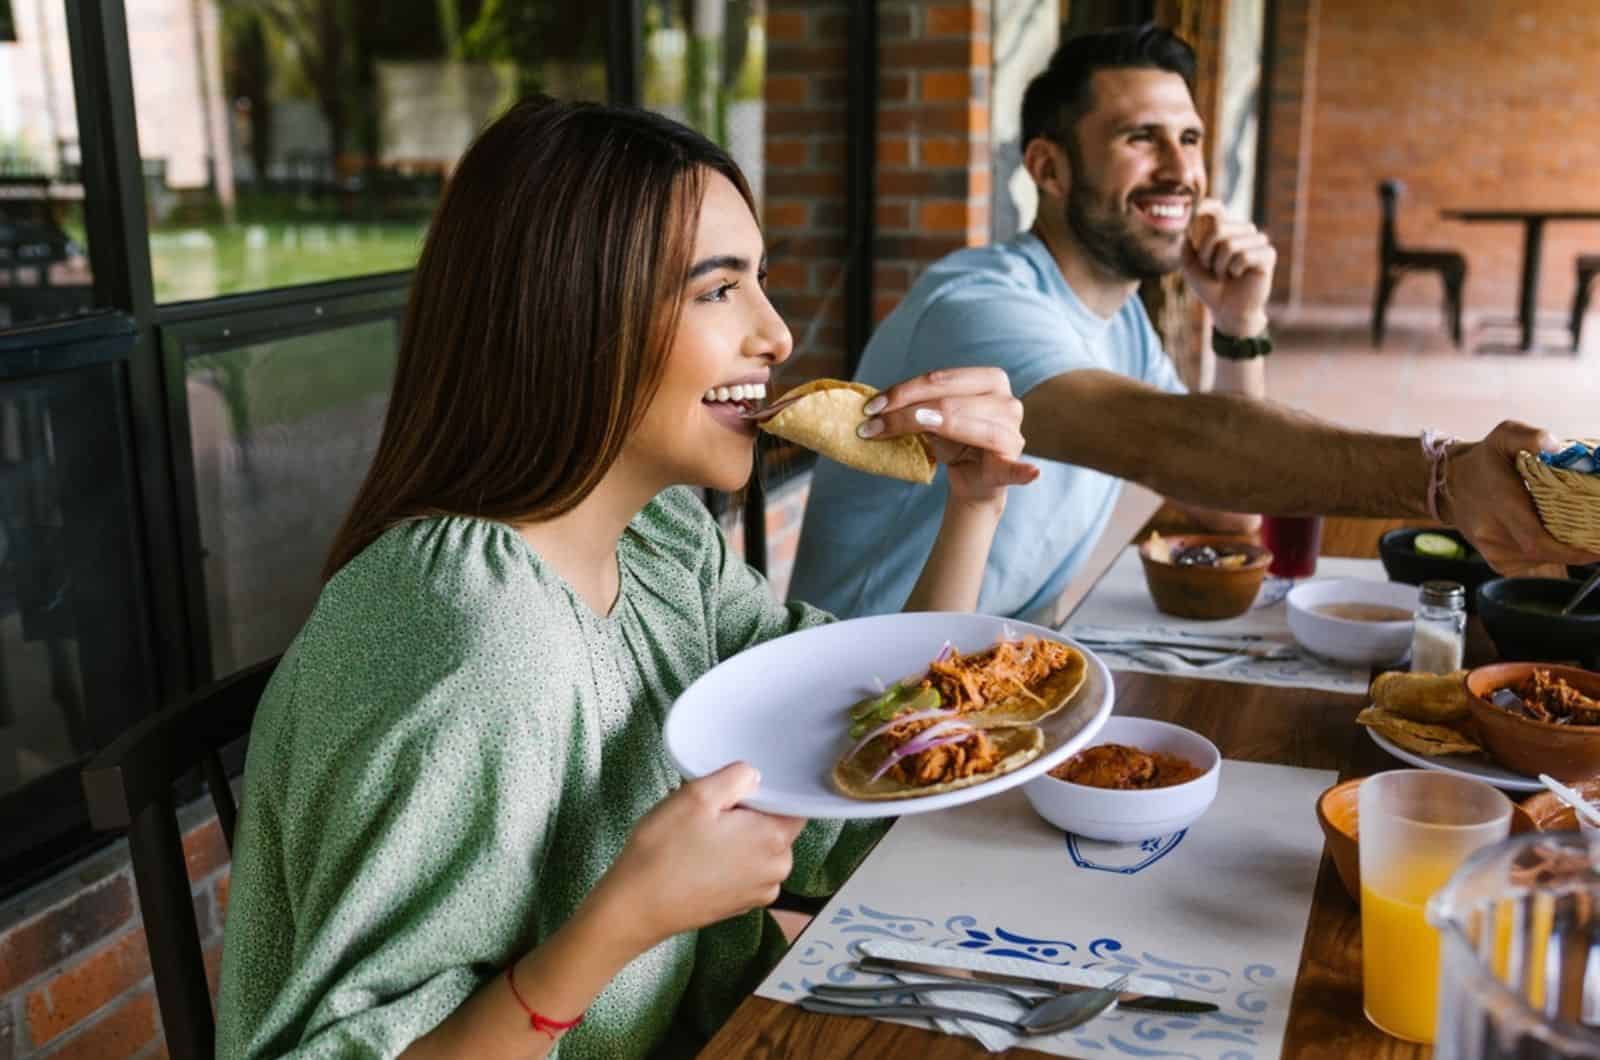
{"x":1404,"y":563}
{"x":1523,"y":618}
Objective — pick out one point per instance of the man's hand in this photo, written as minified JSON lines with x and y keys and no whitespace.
{"x":1485,"y":498}
{"x":1229,"y":264}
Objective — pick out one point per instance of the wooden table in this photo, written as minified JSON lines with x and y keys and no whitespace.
{"x":1257,"y":723}
{"x":1533,"y":222}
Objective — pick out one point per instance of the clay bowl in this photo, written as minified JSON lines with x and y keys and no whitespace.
{"x":1566,"y":752}
{"x":1338,"y":815}
{"x":1205,"y":592}
{"x":1550,"y":814}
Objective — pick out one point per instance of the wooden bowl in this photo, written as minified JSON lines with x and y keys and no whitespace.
{"x":1205,"y":592}
{"x":1339,"y":817}
{"x":1549,"y":814}
{"x":1566,"y":752}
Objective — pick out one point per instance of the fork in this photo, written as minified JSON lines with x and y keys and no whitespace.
{"x":1058,"y":1013}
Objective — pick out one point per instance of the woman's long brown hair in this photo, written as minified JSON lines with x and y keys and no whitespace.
{"x":540,"y":315}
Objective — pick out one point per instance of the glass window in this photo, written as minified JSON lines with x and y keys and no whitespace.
{"x":44,"y":265}
{"x":73,"y":672}
{"x":705,"y":64}
{"x":291,"y":141}
{"x":283,"y":433}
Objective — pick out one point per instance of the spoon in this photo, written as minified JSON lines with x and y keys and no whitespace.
{"x":1579,"y":804}
{"x":1583,"y":590}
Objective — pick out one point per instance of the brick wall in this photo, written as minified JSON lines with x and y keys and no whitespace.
{"x":1470,"y":105}
{"x":932,"y":161}
{"x":75,"y":978}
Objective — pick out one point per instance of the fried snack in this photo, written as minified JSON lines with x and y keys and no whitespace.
{"x":1434,"y":699}
{"x":823,"y":416}
{"x":1421,"y":737}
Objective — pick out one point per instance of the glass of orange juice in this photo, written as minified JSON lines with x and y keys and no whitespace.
{"x":1416,"y":827}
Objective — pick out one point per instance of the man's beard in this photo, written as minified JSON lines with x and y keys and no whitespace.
{"x":1109,"y":238}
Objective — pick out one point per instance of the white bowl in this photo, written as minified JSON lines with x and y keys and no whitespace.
{"x":1132,"y":816}
{"x":1348,"y":640}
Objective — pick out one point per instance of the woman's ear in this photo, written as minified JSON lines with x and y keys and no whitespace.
{"x":1047,"y":164}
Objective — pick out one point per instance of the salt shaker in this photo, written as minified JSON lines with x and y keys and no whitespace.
{"x":1439,"y":630}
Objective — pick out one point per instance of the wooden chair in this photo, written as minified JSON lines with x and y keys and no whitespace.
{"x":130,"y":785}
{"x":1395,"y":261}
{"x":1588,"y":269}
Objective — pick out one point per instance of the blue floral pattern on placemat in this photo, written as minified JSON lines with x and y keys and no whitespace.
{"x":828,"y":951}
{"x":1122,"y":858}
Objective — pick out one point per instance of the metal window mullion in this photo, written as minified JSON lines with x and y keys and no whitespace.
{"x":624,"y":51}
{"x":119,"y":254}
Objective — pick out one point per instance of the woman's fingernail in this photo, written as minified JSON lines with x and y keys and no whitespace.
{"x":869,"y":428}
{"x":928,"y":417}
{"x":875,"y":406}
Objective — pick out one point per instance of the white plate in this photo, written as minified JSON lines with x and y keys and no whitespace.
{"x":783,"y":707}
{"x":1499,"y":776}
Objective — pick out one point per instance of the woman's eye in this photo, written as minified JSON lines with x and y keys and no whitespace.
{"x":719,"y":293}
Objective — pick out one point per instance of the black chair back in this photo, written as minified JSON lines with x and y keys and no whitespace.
{"x":1388,"y":202}
{"x":129,"y":785}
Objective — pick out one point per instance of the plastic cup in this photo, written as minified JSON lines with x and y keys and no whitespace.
{"x":1294,"y":541}
{"x":1417,"y":826}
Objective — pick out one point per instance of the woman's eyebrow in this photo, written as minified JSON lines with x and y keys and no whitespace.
{"x":731,"y":262}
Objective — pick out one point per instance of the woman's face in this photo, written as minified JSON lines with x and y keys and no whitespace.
{"x":728,"y":337}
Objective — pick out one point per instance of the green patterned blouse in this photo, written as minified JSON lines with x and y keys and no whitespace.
{"x":450,"y":755}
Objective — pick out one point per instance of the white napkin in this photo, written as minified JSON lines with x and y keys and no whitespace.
{"x":995,"y":1039}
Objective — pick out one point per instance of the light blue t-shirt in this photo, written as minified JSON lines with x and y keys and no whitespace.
{"x":865,"y":538}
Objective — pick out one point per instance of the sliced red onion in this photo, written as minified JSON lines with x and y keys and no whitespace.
{"x":909,"y":748}
{"x":921,"y":715}
{"x":945,"y":652}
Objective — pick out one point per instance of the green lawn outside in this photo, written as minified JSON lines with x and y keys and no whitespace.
{"x":205,"y":261}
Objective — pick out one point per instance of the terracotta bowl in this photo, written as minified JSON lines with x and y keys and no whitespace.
{"x":1550,"y":814}
{"x":1566,"y":752}
{"x":1205,"y":592}
{"x":1340,"y":820}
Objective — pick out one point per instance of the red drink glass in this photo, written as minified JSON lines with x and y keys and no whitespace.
{"x":1294,"y":541}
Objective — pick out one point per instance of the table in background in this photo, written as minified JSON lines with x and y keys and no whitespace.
{"x":1533,"y":222}
{"x":1255,"y":723}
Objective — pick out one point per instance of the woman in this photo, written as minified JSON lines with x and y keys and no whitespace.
{"x":460,"y":830}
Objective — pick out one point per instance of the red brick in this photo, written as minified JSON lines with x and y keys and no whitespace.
{"x":945,"y":151}
{"x":787,"y":89}
{"x":821,"y":184}
{"x":883,"y":305}
{"x":960,"y":20}
{"x":91,"y":984}
{"x":787,"y":26}
{"x":894,"y":151}
{"x":891,"y":277}
{"x":787,"y":154}
{"x":831,"y":25}
{"x":788,"y":121}
{"x":810,"y":57}
{"x":927,"y":54}
{"x":123,"y":1032}
{"x":942,"y":215}
{"x":786,"y":214}
{"x":223,"y":887}
{"x":892,"y":215}
{"x":946,"y":86}
{"x":920,"y":249}
{"x":894,"y":88}
{"x":934,"y":118}
{"x":788,"y":275}
{"x":938,"y":183}
{"x":831,"y":150}
{"x":204,"y":851}
{"x":40,"y":944}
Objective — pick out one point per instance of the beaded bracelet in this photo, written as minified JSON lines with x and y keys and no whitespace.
{"x":543,"y":1024}
{"x":1436,"y":447}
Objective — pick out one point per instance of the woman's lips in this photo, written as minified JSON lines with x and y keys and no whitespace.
{"x":732,"y":415}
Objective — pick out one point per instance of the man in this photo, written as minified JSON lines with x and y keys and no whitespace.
{"x":1112,"y":140}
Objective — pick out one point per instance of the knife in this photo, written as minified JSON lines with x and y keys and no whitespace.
{"x":1149,"y":1002}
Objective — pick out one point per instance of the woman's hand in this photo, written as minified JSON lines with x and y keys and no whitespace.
{"x":972,"y":421}
{"x":698,"y":858}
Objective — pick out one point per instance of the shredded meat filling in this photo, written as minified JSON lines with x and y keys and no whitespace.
{"x":1551,"y":698}
{"x":971,"y":682}
{"x":952,"y":761}
{"x":1115,"y":765}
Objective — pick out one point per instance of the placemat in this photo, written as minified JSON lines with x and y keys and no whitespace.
{"x":1218,"y":911}
{"x":1119,"y":607}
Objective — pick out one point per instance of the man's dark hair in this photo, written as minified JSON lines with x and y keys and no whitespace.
{"x":1059,"y":96}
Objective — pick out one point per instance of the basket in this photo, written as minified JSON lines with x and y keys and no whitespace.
{"x":1568,"y":501}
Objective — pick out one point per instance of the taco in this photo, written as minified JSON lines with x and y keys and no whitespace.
{"x":1421,"y":737}
{"x":923,"y":758}
{"x":823,"y":416}
{"x":968,"y":719}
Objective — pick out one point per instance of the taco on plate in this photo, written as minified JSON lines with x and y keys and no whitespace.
{"x":968,"y":719}
{"x":823,"y":416}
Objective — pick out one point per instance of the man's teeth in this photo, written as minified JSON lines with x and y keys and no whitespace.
{"x":742,"y":392}
{"x":1174,"y":212}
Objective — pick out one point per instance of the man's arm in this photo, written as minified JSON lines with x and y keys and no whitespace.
{"x":1233,"y":453}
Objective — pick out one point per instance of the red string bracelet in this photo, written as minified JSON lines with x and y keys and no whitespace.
{"x":543,"y":1024}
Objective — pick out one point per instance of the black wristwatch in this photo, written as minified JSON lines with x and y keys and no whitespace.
{"x":1231,"y":349}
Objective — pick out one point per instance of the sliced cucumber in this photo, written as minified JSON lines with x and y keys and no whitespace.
{"x":1439,"y":546}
